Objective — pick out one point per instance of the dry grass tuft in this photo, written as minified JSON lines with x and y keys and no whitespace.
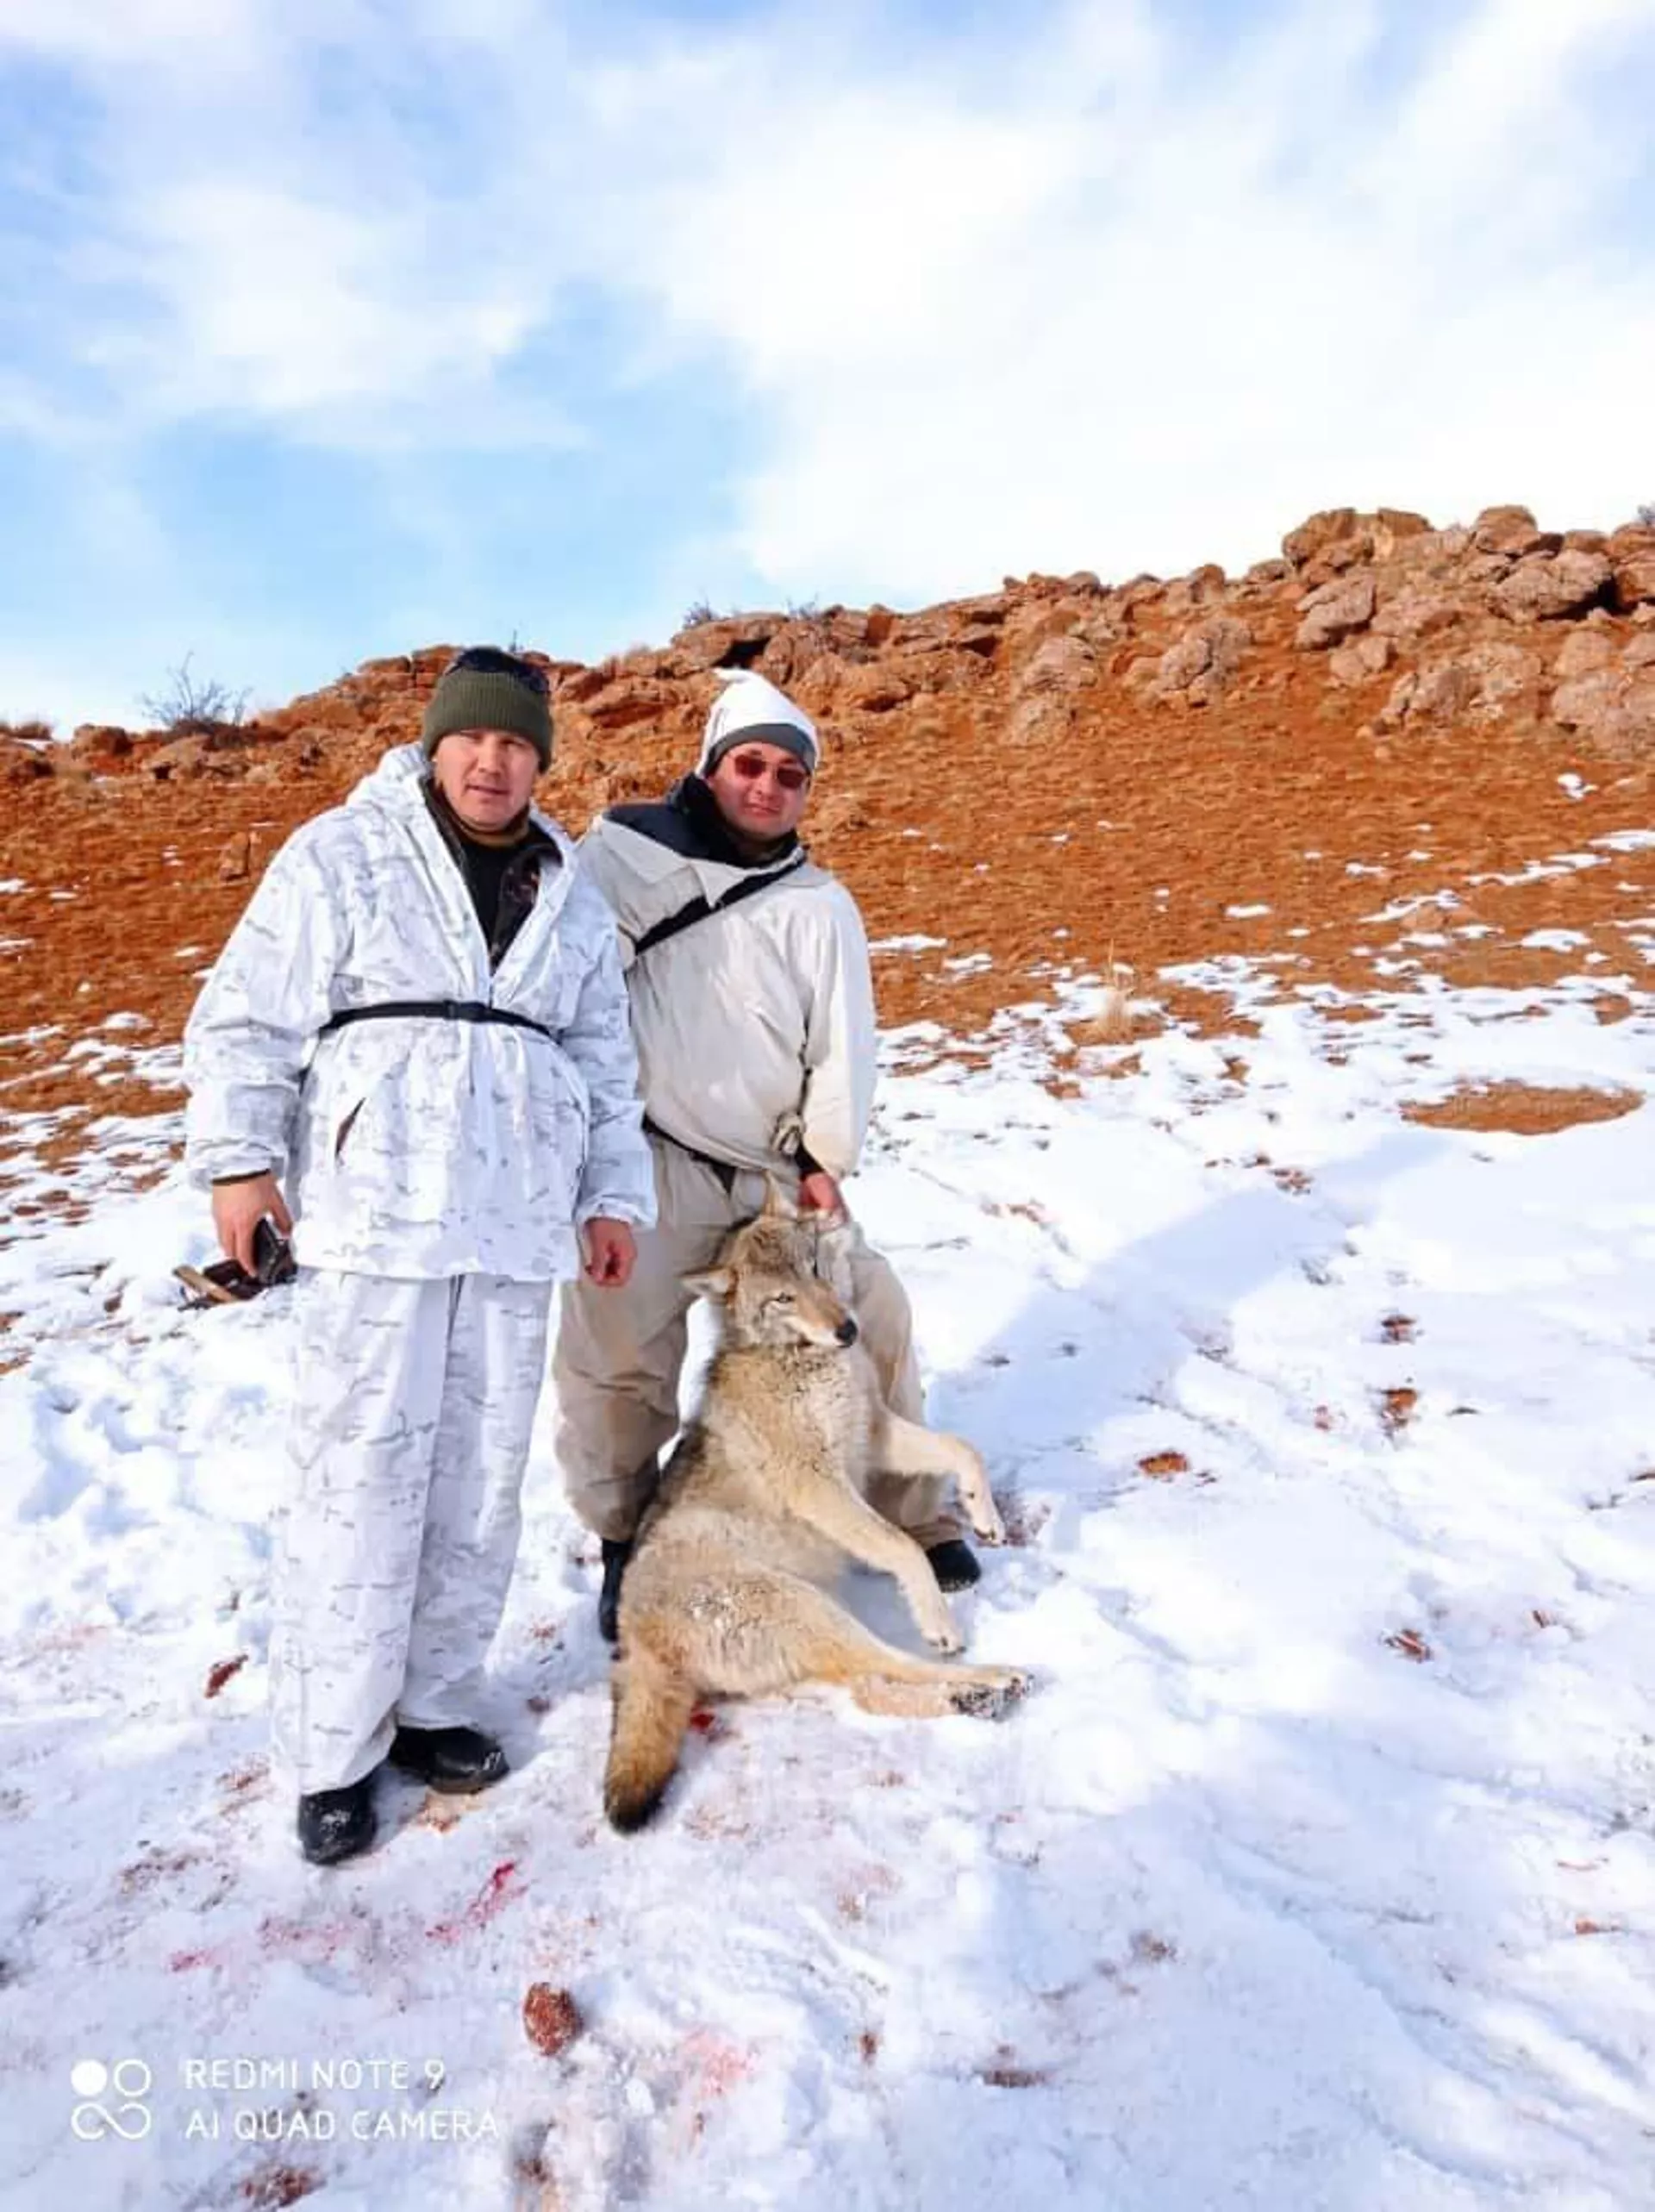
{"x":1113,"y":1022}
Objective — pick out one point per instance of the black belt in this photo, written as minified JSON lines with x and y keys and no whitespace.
{"x":433,"y":1009}
{"x":725,"y":1171}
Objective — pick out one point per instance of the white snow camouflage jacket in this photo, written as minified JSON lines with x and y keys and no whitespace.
{"x":418,"y":1146}
{"x":755,"y":1029}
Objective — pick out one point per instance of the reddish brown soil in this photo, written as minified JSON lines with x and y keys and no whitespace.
{"x":1126,"y":824}
{"x":1522,"y":1108}
{"x":1396,"y":1408}
{"x":1219,"y":807}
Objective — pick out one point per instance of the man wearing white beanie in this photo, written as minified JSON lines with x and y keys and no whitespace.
{"x":753,"y":1014}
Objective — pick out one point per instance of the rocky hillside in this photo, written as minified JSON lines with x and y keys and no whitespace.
{"x":1281,"y":764}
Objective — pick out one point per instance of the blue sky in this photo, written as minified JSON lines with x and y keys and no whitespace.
{"x":333,"y":328}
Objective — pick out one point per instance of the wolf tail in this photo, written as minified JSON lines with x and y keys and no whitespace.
{"x":652,"y":1710}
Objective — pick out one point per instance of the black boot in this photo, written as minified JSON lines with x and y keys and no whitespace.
{"x":954,"y":1564}
{"x":616,"y":1556}
{"x":453,"y":1761}
{"x":336,"y":1824}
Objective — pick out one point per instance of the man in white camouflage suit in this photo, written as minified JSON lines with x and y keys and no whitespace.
{"x":752,"y":1009}
{"x":419,"y":1027}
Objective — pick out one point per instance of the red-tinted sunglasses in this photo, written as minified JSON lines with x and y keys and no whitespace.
{"x":750,"y":766}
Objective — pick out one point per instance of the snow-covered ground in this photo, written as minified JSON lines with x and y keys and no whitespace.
{"x":1318,"y":1871}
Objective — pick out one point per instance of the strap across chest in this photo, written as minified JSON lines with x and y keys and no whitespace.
{"x":702,"y":909}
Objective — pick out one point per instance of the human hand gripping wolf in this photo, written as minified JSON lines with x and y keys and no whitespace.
{"x":761,"y":1504}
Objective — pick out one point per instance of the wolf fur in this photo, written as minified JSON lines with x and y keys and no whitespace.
{"x":761,"y":1504}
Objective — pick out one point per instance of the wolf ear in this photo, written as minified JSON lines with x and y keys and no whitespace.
{"x":711,"y":1283}
{"x":775,"y":1207}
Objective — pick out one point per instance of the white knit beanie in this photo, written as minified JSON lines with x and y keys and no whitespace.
{"x":750,"y":711}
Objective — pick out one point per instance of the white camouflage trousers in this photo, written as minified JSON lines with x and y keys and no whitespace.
{"x":619,"y":1354}
{"x":413,"y":1407}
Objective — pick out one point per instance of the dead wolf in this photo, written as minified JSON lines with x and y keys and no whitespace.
{"x":761,"y":1504}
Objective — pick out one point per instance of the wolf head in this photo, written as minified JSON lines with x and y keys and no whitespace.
{"x":765,"y":1280}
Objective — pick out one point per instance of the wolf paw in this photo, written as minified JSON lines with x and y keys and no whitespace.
{"x":943,"y":1636}
{"x":987,"y":1525}
{"x":992,"y":1701}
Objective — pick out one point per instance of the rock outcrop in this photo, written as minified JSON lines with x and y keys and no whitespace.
{"x":1497,"y":621}
{"x":1334,"y":610}
{"x":1034,"y":773}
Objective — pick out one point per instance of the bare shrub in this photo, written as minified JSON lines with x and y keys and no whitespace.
{"x":191,"y":706}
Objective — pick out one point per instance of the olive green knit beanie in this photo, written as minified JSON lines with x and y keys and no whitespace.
{"x":483,"y":688}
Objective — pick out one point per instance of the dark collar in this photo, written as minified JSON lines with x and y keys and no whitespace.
{"x":688,"y":822}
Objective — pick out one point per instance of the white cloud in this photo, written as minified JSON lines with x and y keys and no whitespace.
{"x":1084,"y":289}
{"x":269,"y":238}
{"x":124,"y":33}
{"x":290,"y":308}
{"x":1147,"y":310}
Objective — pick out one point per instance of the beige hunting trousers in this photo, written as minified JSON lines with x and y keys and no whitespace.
{"x":619,"y":1353}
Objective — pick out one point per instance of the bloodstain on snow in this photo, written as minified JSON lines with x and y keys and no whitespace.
{"x":490,"y":1900}
{"x":153,"y":1867}
{"x":273,"y":2187}
{"x":1004,"y":2071}
{"x":224,"y":1670}
{"x":317,"y":1943}
{"x":186,"y":1962}
{"x":714,"y":2067}
{"x":1411,"y":1644}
